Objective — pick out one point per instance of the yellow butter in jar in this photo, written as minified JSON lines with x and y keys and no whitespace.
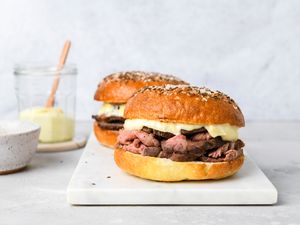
{"x":55,"y":125}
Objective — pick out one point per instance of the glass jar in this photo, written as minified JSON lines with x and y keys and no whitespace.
{"x":33,"y":84}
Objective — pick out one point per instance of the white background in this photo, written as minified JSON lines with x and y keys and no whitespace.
{"x":249,"y":49}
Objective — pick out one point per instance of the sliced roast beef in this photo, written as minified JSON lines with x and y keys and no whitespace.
{"x":126,"y":137}
{"x":135,"y":147}
{"x":201,"y":137}
{"x":147,"y":139}
{"x":162,"y":135}
{"x":177,"y":143}
{"x":191,"y":132}
{"x":205,"y":145}
{"x":164,"y":154}
{"x":109,"y":119}
{"x":229,"y":156}
{"x":110,"y":126}
{"x":147,"y":130}
{"x":196,"y":148}
{"x":233,"y":154}
{"x":238,"y":144}
{"x":158,"y":134}
{"x":109,"y":122}
{"x":183,"y":157}
{"x":219,"y":152}
{"x":193,"y":147}
{"x":227,"y":149}
{"x":151,"y":151}
{"x":96,"y":117}
{"x":210,"y":159}
{"x":114,"y":119}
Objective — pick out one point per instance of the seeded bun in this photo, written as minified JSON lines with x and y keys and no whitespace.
{"x":183,"y":104}
{"x":106,"y":137}
{"x":119,"y":87}
{"x":160,"y":169}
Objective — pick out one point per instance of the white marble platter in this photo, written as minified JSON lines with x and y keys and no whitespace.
{"x":98,"y":181}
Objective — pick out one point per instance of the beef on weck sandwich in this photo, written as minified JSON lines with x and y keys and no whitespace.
{"x":174,"y":133}
{"x":114,"y":91}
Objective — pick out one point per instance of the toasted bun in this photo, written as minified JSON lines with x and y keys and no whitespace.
{"x":183,"y":104}
{"x":119,"y":87}
{"x":161,"y":169}
{"x":106,"y":137}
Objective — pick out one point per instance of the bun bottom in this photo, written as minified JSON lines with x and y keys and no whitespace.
{"x":106,"y":137}
{"x":161,"y":169}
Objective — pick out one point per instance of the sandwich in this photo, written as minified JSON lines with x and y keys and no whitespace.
{"x":114,"y":91}
{"x":180,"y":132}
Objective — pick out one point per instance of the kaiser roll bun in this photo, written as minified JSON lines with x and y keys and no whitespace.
{"x":161,"y":169}
{"x":183,"y":104}
{"x":106,"y":137}
{"x":119,"y":87}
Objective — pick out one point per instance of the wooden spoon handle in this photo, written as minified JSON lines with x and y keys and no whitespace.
{"x":62,"y":61}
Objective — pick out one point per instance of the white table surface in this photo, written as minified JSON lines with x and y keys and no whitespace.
{"x":38,"y":194}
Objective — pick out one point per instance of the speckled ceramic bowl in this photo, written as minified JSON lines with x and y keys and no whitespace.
{"x":18,"y":143}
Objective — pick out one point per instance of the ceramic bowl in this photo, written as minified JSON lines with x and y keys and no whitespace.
{"x":18,"y":143}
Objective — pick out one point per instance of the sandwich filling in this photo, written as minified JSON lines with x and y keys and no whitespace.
{"x":110,"y":116}
{"x":181,"y":142}
{"x":226,"y":131}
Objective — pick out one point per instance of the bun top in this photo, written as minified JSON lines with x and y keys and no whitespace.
{"x":119,"y":87}
{"x":184,"y":104}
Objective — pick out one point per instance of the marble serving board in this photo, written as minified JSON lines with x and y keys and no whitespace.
{"x":98,"y":181}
